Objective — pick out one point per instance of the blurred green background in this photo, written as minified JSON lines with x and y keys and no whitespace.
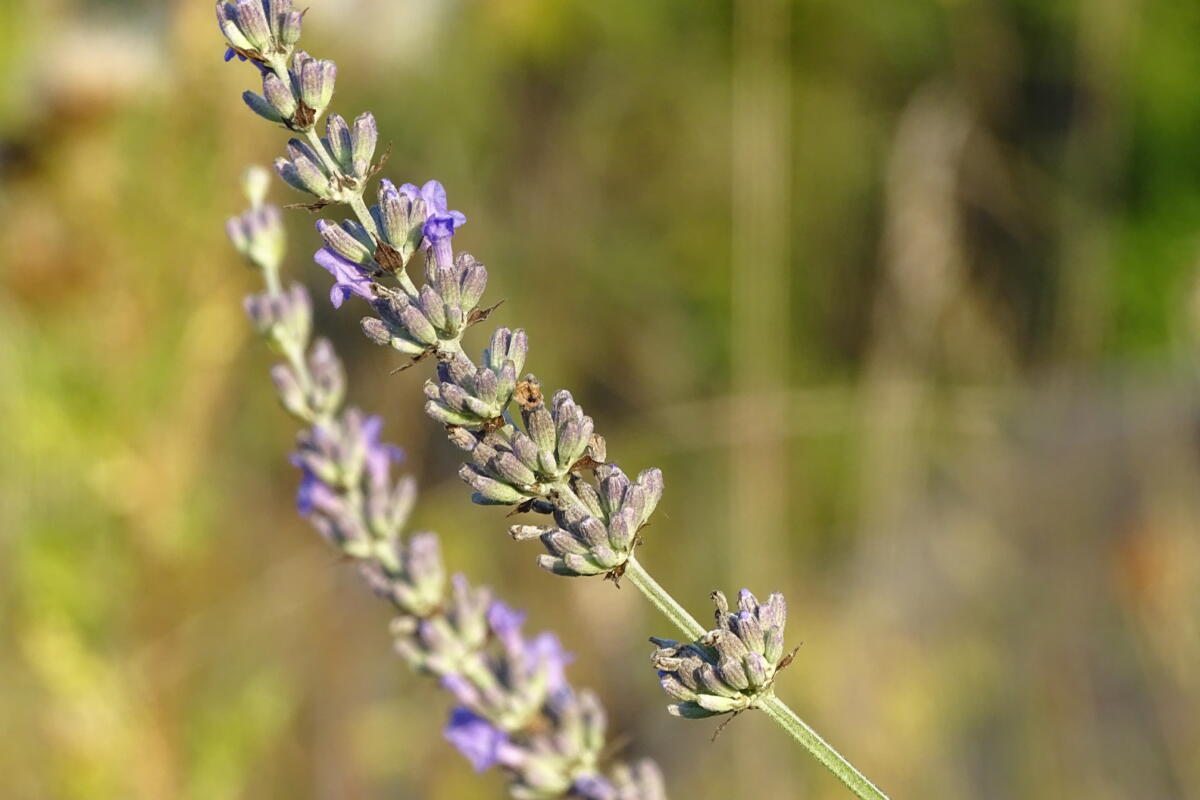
{"x":903,"y":297}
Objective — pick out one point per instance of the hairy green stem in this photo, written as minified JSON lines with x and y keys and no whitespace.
{"x":636,"y":574}
{"x":820,"y":749}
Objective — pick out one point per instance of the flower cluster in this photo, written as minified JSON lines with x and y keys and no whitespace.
{"x":515,"y":709}
{"x":332,"y":169}
{"x":599,"y":536}
{"x":298,"y":96}
{"x":383,"y":241}
{"x":729,"y":668}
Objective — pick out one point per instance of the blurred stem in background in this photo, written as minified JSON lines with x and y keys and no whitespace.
{"x":760,"y":289}
{"x":1093,"y":148}
{"x":923,"y":276}
{"x":760,"y":282}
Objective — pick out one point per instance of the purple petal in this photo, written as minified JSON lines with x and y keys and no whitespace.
{"x":546,"y":648}
{"x":313,"y":495}
{"x":476,"y":738}
{"x":372,"y":426}
{"x":410,"y":191}
{"x":439,"y":227}
{"x":504,"y":620}
{"x":348,"y":277}
{"x":338,"y":295}
{"x":435,"y":197}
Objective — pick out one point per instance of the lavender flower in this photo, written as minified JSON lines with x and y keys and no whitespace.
{"x":731,"y":667}
{"x":348,"y":278}
{"x":352,"y":146}
{"x":419,"y":322}
{"x":410,"y":576}
{"x":399,"y":218}
{"x":436,"y":204}
{"x":346,"y":487}
{"x":477,"y":739}
{"x":440,"y":222}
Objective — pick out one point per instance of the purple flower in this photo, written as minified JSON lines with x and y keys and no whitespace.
{"x":436,"y":205}
{"x":349,"y":278}
{"x":379,"y":455}
{"x":547,"y":649}
{"x":440,"y":222}
{"x":315,"y":495}
{"x":379,"y":458}
{"x":476,"y":738}
{"x":506,"y":623}
{"x":438,"y":227}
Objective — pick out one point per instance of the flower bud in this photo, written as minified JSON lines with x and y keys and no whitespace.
{"x":261,"y":106}
{"x":251,"y":20}
{"x":289,"y":29}
{"x":349,"y":240}
{"x":363,"y":142}
{"x":315,"y":78}
{"x":284,"y":317}
{"x":280,"y":96}
{"x":337,"y":137}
